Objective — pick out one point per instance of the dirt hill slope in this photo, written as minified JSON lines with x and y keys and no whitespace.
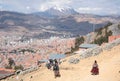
{"x":108,"y":61}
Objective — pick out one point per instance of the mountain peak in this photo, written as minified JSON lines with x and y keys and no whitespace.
{"x":57,"y":11}
{"x":60,"y":11}
{"x":61,"y":8}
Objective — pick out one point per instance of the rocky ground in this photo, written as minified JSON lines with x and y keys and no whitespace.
{"x":109,"y":67}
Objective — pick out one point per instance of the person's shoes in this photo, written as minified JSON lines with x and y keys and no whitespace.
{"x":59,"y":75}
{"x":93,"y":74}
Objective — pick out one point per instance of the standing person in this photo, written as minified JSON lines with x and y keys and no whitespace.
{"x":55,"y":61}
{"x":51,"y":62}
{"x":95,"y":69}
{"x":48,"y":65}
{"x":56,"y":70}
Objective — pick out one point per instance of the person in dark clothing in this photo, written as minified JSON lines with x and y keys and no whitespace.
{"x":55,"y":60}
{"x":48,"y":65}
{"x":51,"y":61}
{"x":95,"y":69}
{"x":56,"y":70}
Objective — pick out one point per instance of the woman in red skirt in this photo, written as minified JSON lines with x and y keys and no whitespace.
{"x":95,"y":69}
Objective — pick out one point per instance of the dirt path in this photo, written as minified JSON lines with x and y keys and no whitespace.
{"x":108,"y":61}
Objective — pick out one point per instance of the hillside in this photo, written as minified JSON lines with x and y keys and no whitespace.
{"x":103,"y":33}
{"x":35,"y":26}
{"x":108,"y":61}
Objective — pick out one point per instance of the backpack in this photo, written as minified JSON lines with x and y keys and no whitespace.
{"x":48,"y":65}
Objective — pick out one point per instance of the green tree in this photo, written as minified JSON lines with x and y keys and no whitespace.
{"x":78,"y":41}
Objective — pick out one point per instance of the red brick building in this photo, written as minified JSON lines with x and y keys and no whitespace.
{"x":112,"y":38}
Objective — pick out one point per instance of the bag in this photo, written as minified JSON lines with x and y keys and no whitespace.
{"x":48,"y":66}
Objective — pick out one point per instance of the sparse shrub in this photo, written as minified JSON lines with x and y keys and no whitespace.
{"x":108,"y":24}
{"x":8,"y":67}
{"x":99,"y":31}
{"x":100,"y":40}
{"x":11,"y":62}
{"x":118,"y":26}
{"x":78,"y":41}
{"x":103,"y":39}
{"x":19,"y":67}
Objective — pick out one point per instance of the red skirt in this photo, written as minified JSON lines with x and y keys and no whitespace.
{"x":95,"y":71}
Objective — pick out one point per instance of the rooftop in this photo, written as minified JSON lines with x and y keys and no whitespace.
{"x":87,"y":45}
{"x":5,"y":73}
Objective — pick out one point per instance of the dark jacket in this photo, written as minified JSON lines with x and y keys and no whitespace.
{"x":56,"y":67}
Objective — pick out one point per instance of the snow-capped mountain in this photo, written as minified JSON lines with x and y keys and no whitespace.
{"x":55,"y":11}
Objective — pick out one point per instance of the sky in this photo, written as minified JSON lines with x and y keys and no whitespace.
{"x":100,"y":7}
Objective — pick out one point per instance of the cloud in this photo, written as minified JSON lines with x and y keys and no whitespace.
{"x":88,"y":9}
{"x":86,"y":6}
{"x":28,"y":7}
{"x":99,"y":11}
{"x":113,"y":12}
{"x":25,"y":6}
{"x":55,"y":3}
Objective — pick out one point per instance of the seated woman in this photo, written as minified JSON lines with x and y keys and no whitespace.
{"x":95,"y":69}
